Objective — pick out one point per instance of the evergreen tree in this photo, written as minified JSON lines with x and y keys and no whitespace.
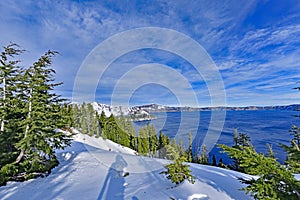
{"x":203,"y":159}
{"x":143,"y":145}
{"x":162,"y":143}
{"x":67,"y":116}
{"x":190,"y":149}
{"x":270,"y":151}
{"x":152,"y":139}
{"x":41,"y":109}
{"x":124,"y":138}
{"x":76,"y":116}
{"x":167,"y":139}
{"x":133,"y":142}
{"x":103,"y":124}
{"x":96,"y":126}
{"x":293,"y":159}
{"x":127,"y":130}
{"x":102,"y":119}
{"x":177,"y":172}
{"x":172,"y":150}
{"x":9,"y":104}
{"x":181,"y":150}
{"x":241,"y":140}
{"x":83,"y":122}
{"x":274,"y":180}
{"x":109,"y":128}
{"x":31,"y":115}
{"x":214,"y":161}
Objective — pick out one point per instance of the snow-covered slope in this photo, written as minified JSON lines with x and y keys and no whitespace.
{"x":93,"y":168}
{"x":102,"y":144}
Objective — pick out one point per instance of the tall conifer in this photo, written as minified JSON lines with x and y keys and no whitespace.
{"x":40,"y":137}
{"x":9,"y":109}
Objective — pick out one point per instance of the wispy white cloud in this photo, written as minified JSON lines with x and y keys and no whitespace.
{"x":282,"y":38}
{"x":252,"y":61}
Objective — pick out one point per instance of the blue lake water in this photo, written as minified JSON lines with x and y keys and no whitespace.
{"x":263,"y":126}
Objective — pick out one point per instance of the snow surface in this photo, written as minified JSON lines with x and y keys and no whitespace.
{"x":93,"y":168}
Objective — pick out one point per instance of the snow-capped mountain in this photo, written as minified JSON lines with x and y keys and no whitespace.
{"x":108,"y":109}
{"x":136,"y":113}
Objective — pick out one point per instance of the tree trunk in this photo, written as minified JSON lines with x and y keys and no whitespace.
{"x":4,"y":98}
{"x":19,"y":158}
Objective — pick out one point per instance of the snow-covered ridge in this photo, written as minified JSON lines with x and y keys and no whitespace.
{"x":100,"y":143}
{"x":109,"y":109}
{"x":136,"y":113}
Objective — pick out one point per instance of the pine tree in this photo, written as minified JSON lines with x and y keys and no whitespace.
{"x":172,"y":150}
{"x":83,"y":122}
{"x":90,"y":115}
{"x":124,"y":138}
{"x":177,"y":172}
{"x":274,"y":181}
{"x":190,"y":149}
{"x":67,"y":117}
{"x":270,"y":151}
{"x":91,"y":121}
{"x":152,"y":139}
{"x":31,"y":114}
{"x":39,"y":138}
{"x":96,"y":125}
{"x":9,"y":104}
{"x":203,"y":159}
{"x":293,"y":159}
{"x":214,"y":161}
{"x":162,"y":143}
{"x":127,"y":131}
{"x":240,"y":140}
{"x":103,"y":124}
{"x":143,"y":145}
{"x":76,"y":116}
{"x":181,"y":150}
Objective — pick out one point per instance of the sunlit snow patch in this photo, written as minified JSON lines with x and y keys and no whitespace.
{"x":197,"y":196}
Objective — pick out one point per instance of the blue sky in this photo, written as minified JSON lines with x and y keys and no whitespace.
{"x":255,"y":46}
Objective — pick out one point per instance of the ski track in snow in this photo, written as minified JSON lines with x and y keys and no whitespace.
{"x":93,"y":168}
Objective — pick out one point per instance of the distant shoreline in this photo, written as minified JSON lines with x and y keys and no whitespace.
{"x":152,"y":108}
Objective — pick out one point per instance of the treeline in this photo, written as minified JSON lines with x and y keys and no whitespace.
{"x":30,"y":115}
{"x":145,"y":141}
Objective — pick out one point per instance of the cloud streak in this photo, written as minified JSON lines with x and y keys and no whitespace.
{"x":258,"y":59}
